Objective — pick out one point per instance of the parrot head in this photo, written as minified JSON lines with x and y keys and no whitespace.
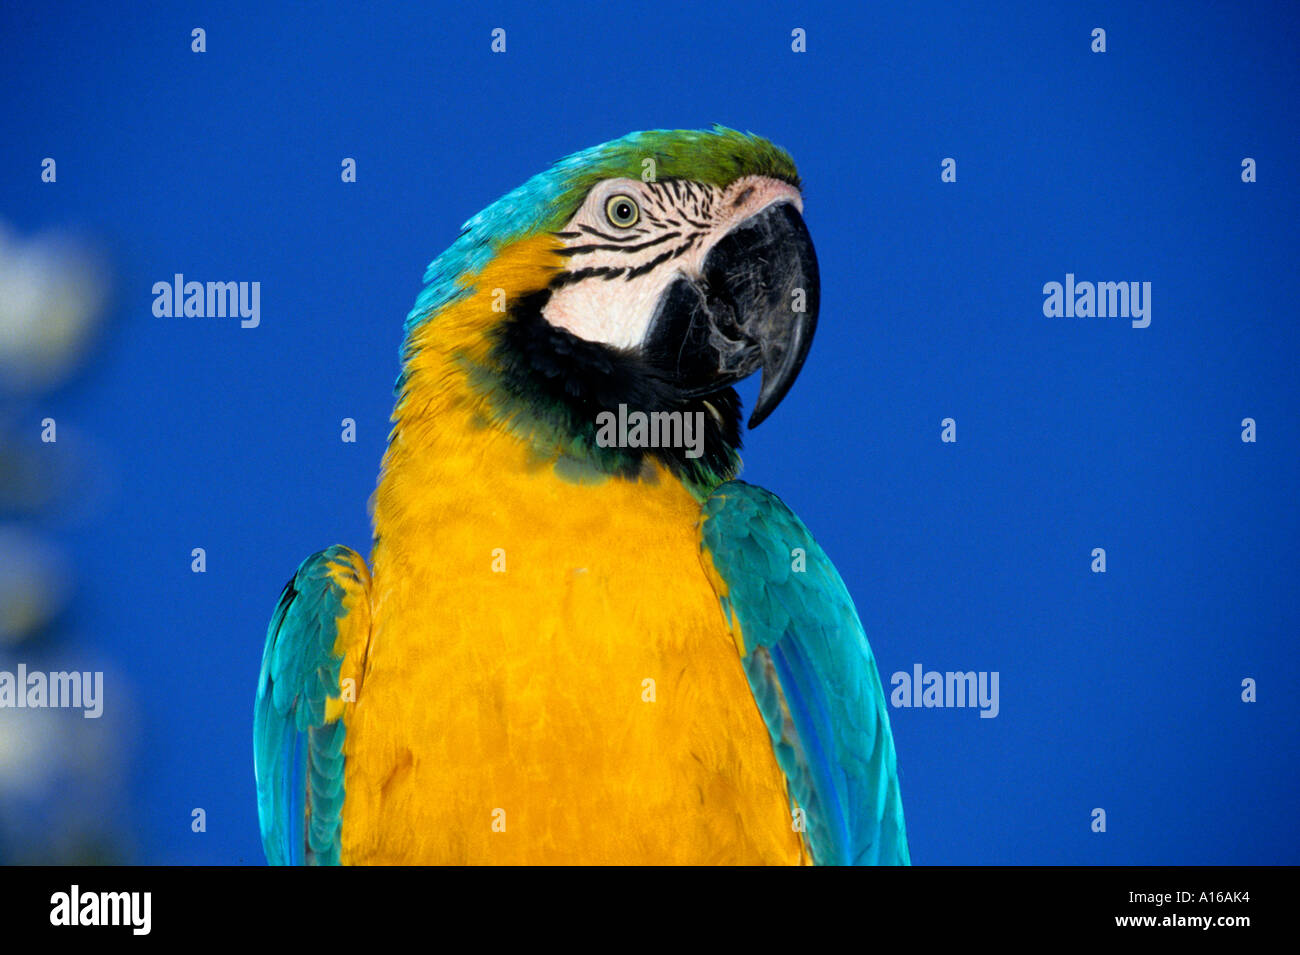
{"x":652,"y":272}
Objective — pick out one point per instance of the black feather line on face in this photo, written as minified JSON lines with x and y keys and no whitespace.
{"x":554,"y":384}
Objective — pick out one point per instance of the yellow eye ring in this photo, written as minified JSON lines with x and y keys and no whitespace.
{"x":622,"y":211}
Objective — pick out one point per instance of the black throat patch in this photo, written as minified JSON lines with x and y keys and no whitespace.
{"x":552,"y":387}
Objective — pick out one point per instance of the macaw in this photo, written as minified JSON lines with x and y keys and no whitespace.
{"x":572,"y":646}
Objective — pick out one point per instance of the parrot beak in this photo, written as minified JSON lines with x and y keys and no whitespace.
{"x":754,"y":305}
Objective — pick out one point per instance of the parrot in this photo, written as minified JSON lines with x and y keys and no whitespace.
{"x":580,"y":640}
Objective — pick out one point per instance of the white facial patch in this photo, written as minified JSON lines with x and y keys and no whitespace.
{"x":618,"y":269}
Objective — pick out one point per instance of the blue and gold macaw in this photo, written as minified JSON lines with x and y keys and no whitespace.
{"x":579,"y":639}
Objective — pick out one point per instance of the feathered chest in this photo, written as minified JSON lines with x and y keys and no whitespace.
{"x":550,"y":678}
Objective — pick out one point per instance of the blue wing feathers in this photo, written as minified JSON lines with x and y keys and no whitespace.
{"x":298,"y":757}
{"x":812,"y":674}
{"x":809,"y":710}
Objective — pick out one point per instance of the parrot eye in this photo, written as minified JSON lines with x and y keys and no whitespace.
{"x":622,"y":211}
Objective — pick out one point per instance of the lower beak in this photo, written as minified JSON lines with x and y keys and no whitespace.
{"x":753,"y":306}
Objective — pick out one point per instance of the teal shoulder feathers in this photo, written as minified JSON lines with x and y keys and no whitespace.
{"x":812,"y":674}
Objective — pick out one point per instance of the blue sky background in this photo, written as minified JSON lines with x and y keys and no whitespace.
{"x":1119,"y":691}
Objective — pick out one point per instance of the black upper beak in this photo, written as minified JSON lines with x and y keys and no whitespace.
{"x":755,"y":305}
